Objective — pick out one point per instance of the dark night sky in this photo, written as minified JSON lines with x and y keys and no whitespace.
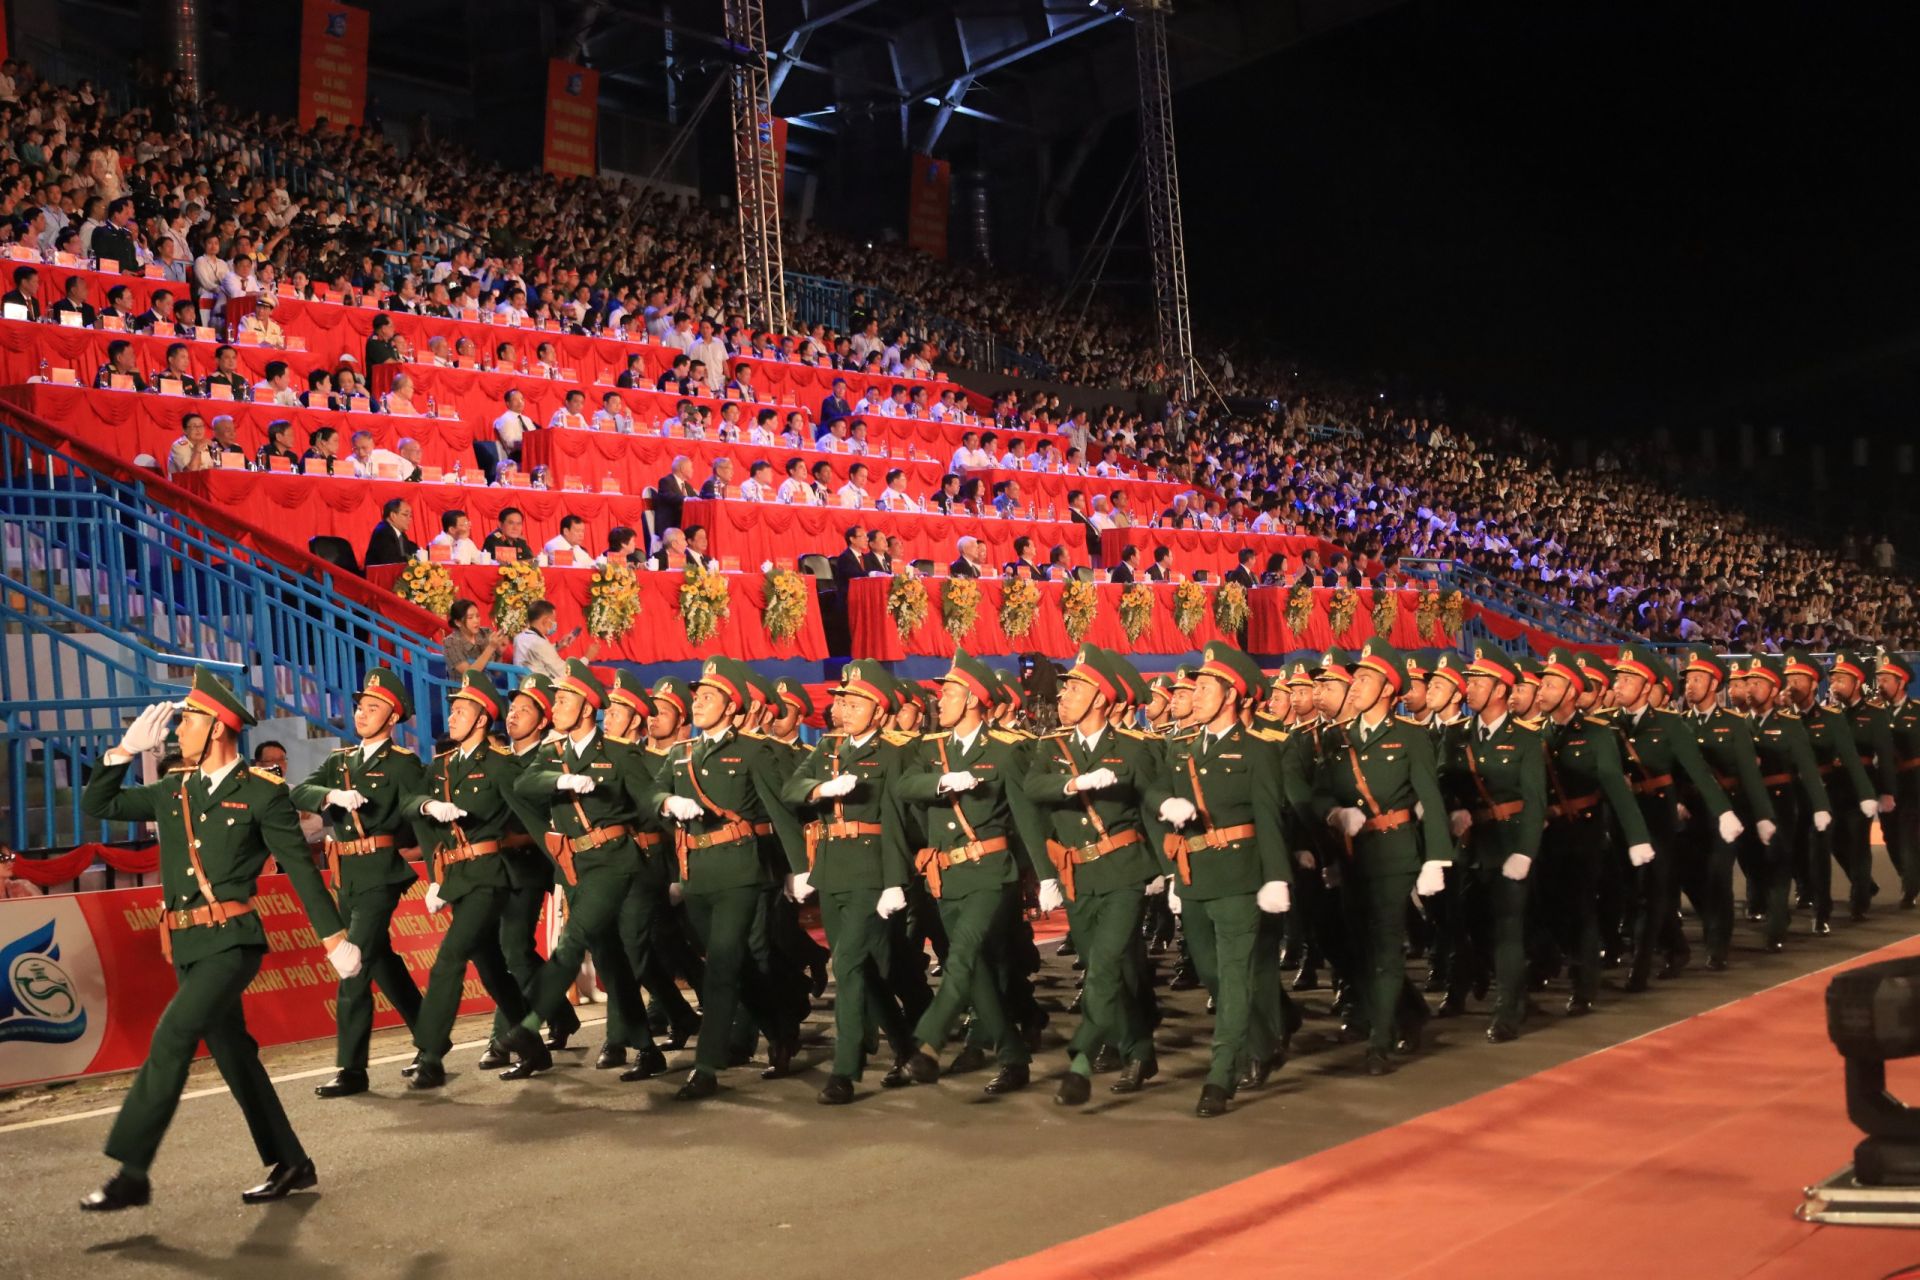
{"x":1611,"y":214}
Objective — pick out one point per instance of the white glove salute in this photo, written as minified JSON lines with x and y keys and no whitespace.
{"x":578,"y":783}
{"x":434,"y":901}
{"x":1176,"y":812}
{"x":1157,"y":886}
{"x":798,"y":887}
{"x":444,"y":811}
{"x":1640,"y":854}
{"x":1730,"y":827}
{"x":348,"y":800}
{"x":1822,"y":820}
{"x":1051,"y":898}
{"x":891,"y":900}
{"x":1347,"y":821}
{"x":1433,"y":878}
{"x":1094,"y":780}
{"x":1458,"y":821}
{"x":1274,"y":897}
{"x":838,"y":786}
{"x":1516,"y":866}
{"x":958,"y":782}
{"x":148,"y":730}
{"x":1766,"y":830}
{"x":345,"y":959}
{"x":1870,"y":807}
{"x":682,"y":809}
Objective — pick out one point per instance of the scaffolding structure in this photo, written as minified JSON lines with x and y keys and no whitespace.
{"x":756,"y":166}
{"x":1166,"y":240}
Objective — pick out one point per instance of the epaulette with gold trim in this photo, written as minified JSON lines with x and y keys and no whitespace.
{"x":1603,"y":723}
{"x":1008,"y":736}
{"x":896,"y":737}
{"x":1534,"y":724}
{"x":267,"y":775}
{"x":1139,"y":735}
{"x":500,"y":750}
{"x":397,"y":749}
{"x":1269,"y":735}
{"x":625,"y":742}
{"x":183,"y":768}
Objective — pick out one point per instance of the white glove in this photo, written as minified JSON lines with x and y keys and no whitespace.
{"x":1094,"y":780}
{"x":434,"y":900}
{"x":1639,"y":854}
{"x":1304,"y":860}
{"x":1433,"y":878}
{"x":1157,"y":886}
{"x":444,"y":811}
{"x":148,"y":730}
{"x":1173,"y":897}
{"x":348,"y":800}
{"x":345,"y":959}
{"x":1176,"y":812}
{"x":1051,"y":897}
{"x":798,"y":887}
{"x":1766,"y":830}
{"x":578,"y":783}
{"x":682,"y":808}
{"x":1730,"y":827}
{"x":891,"y":900}
{"x":1458,"y":821}
{"x":1348,"y":821}
{"x":675,"y":892}
{"x":1516,"y":866}
{"x":1274,"y":897}
{"x":1822,"y":820}
{"x":958,"y":782}
{"x":837,"y":786}
{"x":1681,"y":812}
{"x":1886,"y":804}
{"x":1870,"y":807}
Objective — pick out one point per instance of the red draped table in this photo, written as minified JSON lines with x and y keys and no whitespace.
{"x":24,"y":345}
{"x":1269,"y":631}
{"x":758,"y":531}
{"x":874,"y":634}
{"x":1215,"y":550}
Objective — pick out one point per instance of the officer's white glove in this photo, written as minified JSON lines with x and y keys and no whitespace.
{"x":1094,"y":780}
{"x":1433,"y":878}
{"x":1173,"y":897}
{"x":1274,"y":897}
{"x":1870,"y":807}
{"x":798,"y":887}
{"x":1458,"y":821}
{"x":1822,"y":820}
{"x":891,"y":900}
{"x":1681,"y":812}
{"x":837,"y":786}
{"x":578,"y":783}
{"x":1157,"y":886}
{"x":1730,"y":827}
{"x":1176,"y":812}
{"x":345,"y":959}
{"x":1516,"y":866}
{"x":1639,"y":854}
{"x":675,"y":892}
{"x":444,"y":811}
{"x":348,"y":800}
{"x":148,"y":730}
{"x":1886,"y":804}
{"x":1348,"y":821}
{"x":1051,"y":897}
{"x":958,"y":782}
{"x":1766,"y":830}
{"x":682,"y":808}
{"x":1303,"y":859}
{"x":434,"y":900}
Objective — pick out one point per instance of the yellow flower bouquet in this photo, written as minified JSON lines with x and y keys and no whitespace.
{"x":1189,"y":607}
{"x":786,"y":610}
{"x":520,"y":585}
{"x":1078,"y":604}
{"x":907,"y":604}
{"x":1299,"y":607}
{"x":705,"y":603}
{"x":1230,"y":608}
{"x":1136,"y":610}
{"x":959,"y":606}
{"x":1019,"y":603}
{"x":613,"y":600}
{"x":428,"y":585}
{"x":1342,"y":605}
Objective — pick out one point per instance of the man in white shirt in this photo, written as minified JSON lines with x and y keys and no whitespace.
{"x":709,"y":351}
{"x":193,"y":451}
{"x":512,"y":426}
{"x":613,"y":415}
{"x":796,"y":490}
{"x":854,"y":492}
{"x":1100,"y":519}
{"x":533,"y":650}
{"x":567,"y":549}
{"x":758,"y":486}
{"x":276,"y":387}
{"x":895,"y":496}
{"x":681,"y":336}
{"x":571,"y":414}
{"x":456,"y":534}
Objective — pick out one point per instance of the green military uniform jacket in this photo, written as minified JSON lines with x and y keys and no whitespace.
{"x":1506,"y":768}
{"x":480,"y":782}
{"x":995,"y":808}
{"x":1661,"y":744}
{"x":386,"y":778}
{"x":1235,"y":780}
{"x":1726,"y":743}
{"x":1395,"y":758}
{"x":1903,"y":723}
{"x":248,"y":816}
{"x":1873,"y":737}
{"x":1786,"y":747}
{"x":528,"y":866}
{"x":621,"y":785}
{"x":1584,"y":759}
{"x":1081,"y":821}
{"x":742,"y":776}
{"x":847,"y":860}
{"x":1830,"y":731}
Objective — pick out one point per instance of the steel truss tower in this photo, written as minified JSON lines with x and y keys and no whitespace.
{"x":1166,"y":240}
{"x":756,"y":168}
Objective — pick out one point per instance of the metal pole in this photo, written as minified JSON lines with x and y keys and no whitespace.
{"x":1166,"y":240}
{"x":756,"y":167}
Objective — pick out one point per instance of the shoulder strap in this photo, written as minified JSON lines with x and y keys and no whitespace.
{"x":1085,"y":803}
{"x":1199,"y":797}
{"x":1473,"y":767}
{"x":1360,"y":781}
{"x":193,"y":850}
{"x":693,"y":780}
{"x":940,"y":745}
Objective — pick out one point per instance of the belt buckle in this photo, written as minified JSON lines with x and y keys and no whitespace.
{"x":587,"y":842}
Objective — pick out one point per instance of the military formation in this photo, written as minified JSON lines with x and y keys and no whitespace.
{"x":1512,"y":822}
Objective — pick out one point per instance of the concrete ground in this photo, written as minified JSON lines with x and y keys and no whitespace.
{"x":574,"y":1170}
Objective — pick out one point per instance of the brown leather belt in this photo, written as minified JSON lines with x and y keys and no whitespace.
{"x":1905,"y":765}
{"x":1574,"y":807}
{"x":1776,"y":779}
{"x":217,"y":913}
{"x":1651,"y":786}
{"x":361,"y":847}
{"x":467,"y":852}
{"x":1387,"y":821}
{"x":563,"y":848}
{"x":731,"y":833}
{"x":1219,"y":837}
{"x":1085,"y":853}
{"x":848,"y":830}
{"x":1500,"y":812}
{"x":971,"y":851}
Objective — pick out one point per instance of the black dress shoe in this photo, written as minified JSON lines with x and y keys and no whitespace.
{"x":1079,"y":964}
{"x":897,"y":1077}
{"x":1073,"y":1005}
{"x":611,"y":1056}
{"x":494,"y":1057}
{"x":1579,"y":1006}
{"x":1213,"y":1102}
{"x":700,"y":1084}
{"x":532,"y":1052}
{"x":1451,"y":1007}
{"x":818,"y":984}
{"x":1501,"y":1033}
{"x":838,"y":1092}
{"x":345,"y":1083}
{"x":557,"y":1040}
{"x":1821,"y":927}
{"x":677,"y":1037}
{"x":1378,"y":1063}
{"x":1408,"y":1045}
{"x":1010,"y":1079}
{"x":1856,"y":913}
{"x":1670,"y":971}
{"x":407,"y":1072}
{"x":1134,"y":1076}
{"x":923,"y":1067}
{"x":282,"y":1181}
{"x":1075,"y":1090}
{"x":1436,"y":983}
{"x":647,"y":1063}
{"x":1306,"y":980}
{"x":1066,"y":947}
{"x":122,"y":1191}
{"x":1716,"y":964}
{"x":1107,"y":1060}
{"x":428,"y":1075}
{"x":970,"y":1058}
{"x":1908,"y":899}
{"x":1254,"y":1077}
{"x":1158,"y":947}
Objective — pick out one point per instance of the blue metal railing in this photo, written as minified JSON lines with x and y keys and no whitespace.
{"x":1514,"y":602}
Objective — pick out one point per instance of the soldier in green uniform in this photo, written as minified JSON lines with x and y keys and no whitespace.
{"x":462,"y":814}
{"x":645,"y":909}
{"x":1830,"y":738}
{"x":1726,"y":743}
{"x":1892,"y":676}
{"x":1332,"y":687}
{"x":723,"y":788}
{"x":217,"y":822}
{"x":1872,"y":731}
{"x":672,"y":957}
{"x":1791,"y":773}
{"x":361,"y":791}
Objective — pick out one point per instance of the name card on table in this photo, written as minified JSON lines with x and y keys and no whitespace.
{"x":219,"y":391}
{"x":280,"y":462}
{"x":321,"y":292}
{"x":1101,"y":575}
{"x":573,"y":484}
{"x":1023,"y":573}
{"x":120,"y":381}
{"x":357,"y":403}
{"x":1179,"y":577}
{"x":526,"y":322}
{"x":62,"y":258}
{"x":431,"y":475}
{"x":162,"y":328}
{"x":506,"y":553}
{"x":569,"y":375}
{"x":296,"y":343}
{"x":65,"y":377}
{"x":233,"y":461}
{"x":733,"y":492}
{"x":577,"y":421}
{"x":204,"y":333}
{"x":286,"y":290}
{"x":107,"y":267}
{"x":386,"y":471}
{"x":113,"y":324}
{"x":313,"y":466}
{"x":783,"y":562}
{"x":440,"y":552}
{"x":13,"y":311}
{"x":72,"y":320}
{"x":154,"y":271}
{"x":610,"y":485}
{"x":247,"y":338}
{"x":22,"y":253}
{"x":172,"y":387}
{"x":729,"y":564}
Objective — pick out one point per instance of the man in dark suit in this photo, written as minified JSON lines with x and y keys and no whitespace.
{"x":25,"y":291}
{"x":834,"y":407}
{"x":946,"y":496}
{"x":1127,"y":570}
{"x":379,"y":345}
{"x":1161,"y":570}
{"x":1059,"y":568}
{"x":1077,"y":508}
{"x":671,"y":494}
{"x":390,"y":543}
{"x":1023,"y":559}
{"x":965,"y":566}
{"x":112,"y":242}
{"x":76,"y":302}
{"x":852,"y":562}
{"x":1242,"y":573}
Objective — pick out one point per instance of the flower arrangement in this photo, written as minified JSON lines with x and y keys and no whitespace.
{"x":428,"y":585}
{"x":1189,"y":607}
{"x":786,"y":610}
{"x":613,"y":600}
{"x":520,"y":585}
{"x":1386,"y":610}
{"x":1230,"y":608}
{"x":1299,"y":607}
{"x":1136,"y":610}
{"x":907,"y":605}
{"x":1342,"y":605}
{"x":1453,"y":613}
{"x":704,"y":603}
{"x":1426,"y":613}
{"x":1078,"y":602}
{"x":959,"y":606}
{"x":1019,"y":603}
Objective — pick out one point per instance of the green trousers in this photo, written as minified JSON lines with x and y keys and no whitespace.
{"x":206,"y":1007}
{"x":862,"y":1006}
{"x":1221,"y":933}
{"x":1271,"y":1017}
{"x":723,"y":924}
{"x":473,"y":935}
{"x":520,"y":918}
{"x":593,"y":915}
{"x":1374,"y":894}
{"x":1106,"y":929}
{"x":650,"y":934}
{"x":1496,"y":926}
{"x":1573,"y":852}
{"x":975,"y":925}
{"x":369,"y":916}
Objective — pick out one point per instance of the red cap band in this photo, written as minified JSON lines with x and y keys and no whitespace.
{"x":199,"y":701}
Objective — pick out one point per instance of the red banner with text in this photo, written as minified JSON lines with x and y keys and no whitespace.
{"x":777,"y":135}
{"x":573,"y":120}
{"x":333,"y":64}
{"x":82,"y":982}
{"x":927,"y":199}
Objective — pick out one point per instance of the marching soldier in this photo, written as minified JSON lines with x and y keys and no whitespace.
{"x":1830,"y":738}
{"x":1332,"y":689}
{"x":217,"y":822}
{"x":1791,"y":774}
{"x":1892,"y":676}
{"x":671,"y":957}
{"x":361,"y":791}
{"x":1726,"y":743}
{"x":646,"y":908}
{"x":1872,"y":731}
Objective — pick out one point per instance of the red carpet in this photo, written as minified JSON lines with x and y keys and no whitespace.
{"x":1682,"y":1153}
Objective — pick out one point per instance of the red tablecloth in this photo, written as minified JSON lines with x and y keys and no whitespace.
{"x":1211,"y":549}
{"x":874,"y":634}
{"x":23,"y":345}
{"x":758,"y":531}
{"x":300,"y":507}
{"x":658,"y":635}
{"x":53,"y":284}
{"x":1268,"y":632}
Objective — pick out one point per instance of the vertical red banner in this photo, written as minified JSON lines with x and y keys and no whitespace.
{"x":573,"y":120}
{"x":778,"y":134}
{"x":928,"y":196}
{"x":333,"y":64}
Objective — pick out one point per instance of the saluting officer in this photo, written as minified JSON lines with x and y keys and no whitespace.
{"x":217,"y":822}
{"x":1790,"y":772}
{"x":361,"y":791}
